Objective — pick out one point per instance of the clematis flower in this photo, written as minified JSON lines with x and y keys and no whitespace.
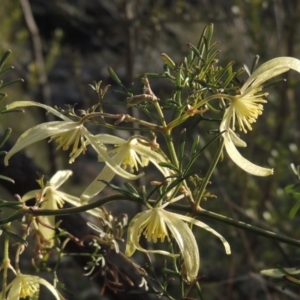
{"x":66,"y":133}
{"x":24,"y":286}
{"x":156,"y":223}
{"x":130,"y":154}
{"x":245,"y":108}
{"x":51,"y":198}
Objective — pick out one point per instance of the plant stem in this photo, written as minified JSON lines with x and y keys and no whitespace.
{"x":238,"y":224}
{"x":208,"y":174}
{"x":5,"y":264}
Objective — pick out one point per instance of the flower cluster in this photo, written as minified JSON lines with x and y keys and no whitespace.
{"x":123,"y":157}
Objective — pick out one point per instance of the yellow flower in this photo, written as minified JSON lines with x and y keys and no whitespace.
{"x":66,"y":133}
{"x":155,"y":223}
{"x":131,"y":154}
{"x":245,"y":108}
{"x":51,"y":198}
{"x":27,"y":286}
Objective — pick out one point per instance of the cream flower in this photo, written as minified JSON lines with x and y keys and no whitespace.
{"x":66,"y":133}
{"x":131,"y":154}
{"x":155,"y":223}
{"x":28,"y":286}
{"x":51,"y":198}
{"x":245,"y":108}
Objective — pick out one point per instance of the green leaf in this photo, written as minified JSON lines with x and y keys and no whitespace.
{"x":182,"y":139}
{"x":11,"y":204}
{"x":195,"y":145}
{"x":290,"y":188}
{"x":131,"y":188}
{"x":15,"y":216}
{"x":4,"y":58}
{"x":294,"y":210}
{"x":13,"y":235}
{"x":117,"y":80}
{"x":5,"y":136}
{"x":296,"y":194}
{"x":168,"y":165}
{"x":12,"y":82}
{"x":194,"y":49}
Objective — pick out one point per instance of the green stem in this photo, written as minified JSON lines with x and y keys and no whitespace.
{"x":73,"y":210}
{"x":5,"y":264}
{"x":238,"y":224}
{"x":172,"y":151}
{"x":188,"y":114}
{"x":175,"y":161}
{"x":208,"y":174}
{"x":160,"y":113}
{"x":262,"y":232}
{"x":122,"y":118}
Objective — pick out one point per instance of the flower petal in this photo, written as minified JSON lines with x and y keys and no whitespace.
{"x":38,"y":133}
{"x":30,"y":195}
{"x":255,"y":81}
{"x":235,"y":139}
{"x":49,"y":286}
{"x":206,"y":227}
{"x":109,"y":162}
{"x":133,"y":235}
{"x":242,"y":162}
{"x":233,"y":153}
{"x":67,"y":197}
{"x":106,"y":174}
{"x":105,"y":138}
{"x":284,"y":63}
{"x":50,"y":109}
{"x":153,"y":156}
{"x":186,"y":242}
{"x":59,"y":178}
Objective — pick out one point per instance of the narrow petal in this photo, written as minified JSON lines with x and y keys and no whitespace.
{"x":242,"y":162}
{"x":110,"y":139}
{"x":67,"y":197}
{"x":186,"y":242}
{"x":49,"y":286}
{"x":38,"y":133}
{"x":257,"y":80}
{"x":208,"y":228}
{"x":106,"y":174}
{"x":30,"y":195}
{"x":134,"y":233}
{"x":109,"y":162}
{"x":75,"y":201}
{"x":276,"y":63}
{"x":59,"y":178}
{"x":50,"y":109}
{"x":14,"y":289}
{"x":153,"y":156}
{"x":235,"y":139}
{"x":47,"y":232}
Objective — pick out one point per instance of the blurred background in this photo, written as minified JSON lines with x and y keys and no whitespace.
{"x":61,"y":46}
